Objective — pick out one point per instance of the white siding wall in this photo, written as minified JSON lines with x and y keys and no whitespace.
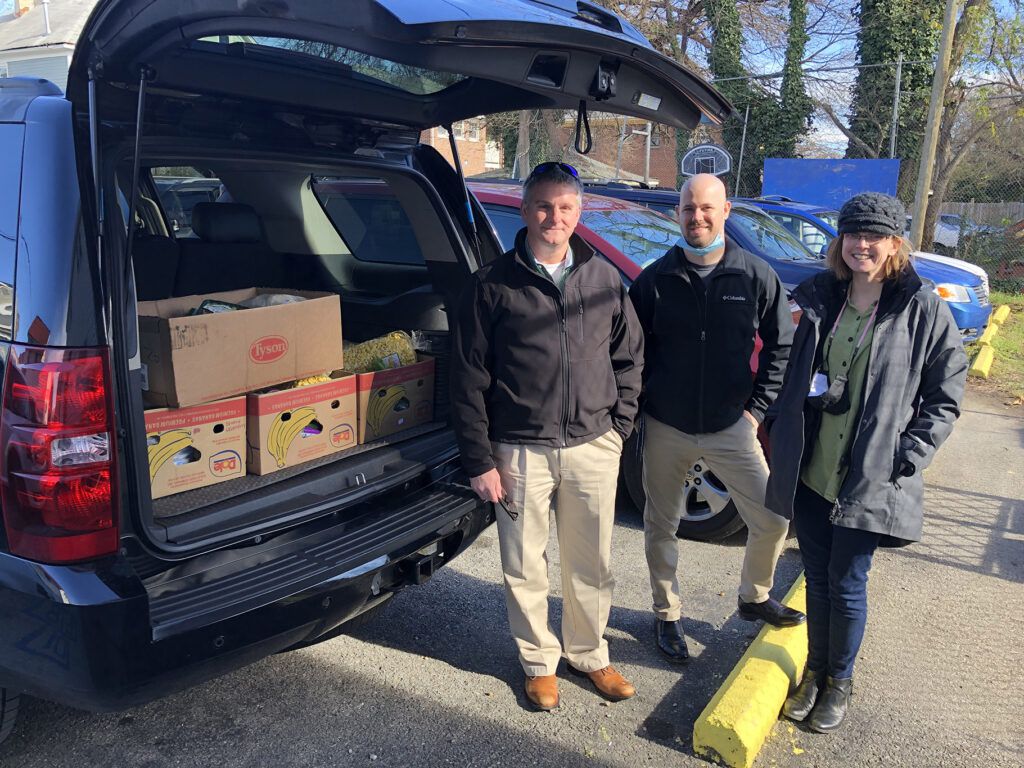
{"x":52,"y":68}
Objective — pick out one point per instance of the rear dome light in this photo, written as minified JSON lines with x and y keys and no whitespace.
{"x":57,"y":463}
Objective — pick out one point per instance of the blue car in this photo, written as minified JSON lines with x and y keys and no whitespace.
{"x":748,"y":226}
{"x":964,"y":286}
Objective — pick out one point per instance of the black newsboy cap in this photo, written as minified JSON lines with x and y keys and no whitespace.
{"x":872,"y":212}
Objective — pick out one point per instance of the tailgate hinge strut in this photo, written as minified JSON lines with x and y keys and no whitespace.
{"x":146,"y":73}
{"x":465,"y":193}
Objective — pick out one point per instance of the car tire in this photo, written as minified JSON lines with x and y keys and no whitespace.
{"x":9,"y":701}
{"x":709,"y":513}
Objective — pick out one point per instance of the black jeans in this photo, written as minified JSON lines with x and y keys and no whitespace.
{"x":836,"y":565}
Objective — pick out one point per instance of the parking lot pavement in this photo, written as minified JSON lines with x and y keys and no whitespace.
{"x":938,"y":681}
{"x":432,"y":680}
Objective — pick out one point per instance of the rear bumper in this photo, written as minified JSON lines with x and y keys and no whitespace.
{"x":87,"y":637}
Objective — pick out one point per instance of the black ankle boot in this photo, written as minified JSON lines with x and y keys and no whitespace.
{"x":672,"y":641}
{"x":800,"y":702}
{"x":833,"y":702}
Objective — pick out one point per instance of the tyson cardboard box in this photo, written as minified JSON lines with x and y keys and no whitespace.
{"x":196,"y":359}
{"x":195,"y":447}
{"x":395,"y":399}
{"x":296,"y":425}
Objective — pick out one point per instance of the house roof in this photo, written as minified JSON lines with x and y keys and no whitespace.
{"x":67,"y":18}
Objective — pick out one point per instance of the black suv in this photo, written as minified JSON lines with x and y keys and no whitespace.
{"x":310,"y":119}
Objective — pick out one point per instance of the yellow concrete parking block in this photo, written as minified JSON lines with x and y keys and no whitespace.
{"x":982,"y":362}
{"x":733,"y":726}
{"x":1000,"y":315}
{"x":989,"y":334}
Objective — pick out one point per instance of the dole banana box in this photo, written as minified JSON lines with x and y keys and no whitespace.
{"x":195,"y":359}
{"x":296,"y":425}
{"x":195,"y":447}
{"x":395,"y":399}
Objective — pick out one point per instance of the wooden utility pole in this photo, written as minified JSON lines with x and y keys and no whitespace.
{"x":931,"y":132}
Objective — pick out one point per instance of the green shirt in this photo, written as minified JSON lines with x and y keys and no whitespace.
{"x":825,"y":472}
{"x":561,"y":271}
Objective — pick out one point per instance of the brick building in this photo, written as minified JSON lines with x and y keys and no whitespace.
{"x":475,"y":151}
{"x":607,"y":131}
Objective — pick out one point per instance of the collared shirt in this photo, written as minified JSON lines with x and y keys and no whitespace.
{"x":556,"y":272}
{"x":825,"y":472}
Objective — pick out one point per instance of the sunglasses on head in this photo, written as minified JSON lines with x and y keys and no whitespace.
{"x":543,"y":168}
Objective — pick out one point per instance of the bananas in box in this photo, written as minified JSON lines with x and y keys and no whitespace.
{"x":397,"y":399}
{"x":291,"y":426}
{"x":194,"y":447}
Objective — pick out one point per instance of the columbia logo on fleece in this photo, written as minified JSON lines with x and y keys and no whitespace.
{"x":730,"y":297}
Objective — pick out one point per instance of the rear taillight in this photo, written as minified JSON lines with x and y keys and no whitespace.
{"x":57,"y":464}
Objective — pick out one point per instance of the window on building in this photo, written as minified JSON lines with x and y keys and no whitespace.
{"x":472,"y":130}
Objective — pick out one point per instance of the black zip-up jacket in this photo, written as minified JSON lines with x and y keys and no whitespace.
{"x":698,"y":343}
{"x":913,"y":387}
{"x":538,"y":365}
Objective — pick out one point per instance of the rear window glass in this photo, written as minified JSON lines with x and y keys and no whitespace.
{"x":179,"y":189}
{"x":507,"y":222}
{"x":814,"y":238}
{"x":370,"y":219}
{"x":640,"y":233}
{"x":404,"y":77}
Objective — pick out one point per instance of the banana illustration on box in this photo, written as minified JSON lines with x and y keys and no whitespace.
{"x":384,"y":402}
{"x":284,"y":431}
{"x":167,"y":444}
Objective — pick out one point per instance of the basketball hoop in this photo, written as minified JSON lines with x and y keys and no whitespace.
{"x":706,"y":158}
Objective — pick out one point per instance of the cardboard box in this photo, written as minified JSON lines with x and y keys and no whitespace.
{"x":195,"y":447}
{"x":396,"y":399}
{"x":190,"y":360}
{"x":295,"y":425}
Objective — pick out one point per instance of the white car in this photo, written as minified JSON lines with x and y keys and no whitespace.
{"x":945,"y":235}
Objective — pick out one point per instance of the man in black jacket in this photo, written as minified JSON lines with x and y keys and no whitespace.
{"x":546,"y":368}
{"x":700,"y":306}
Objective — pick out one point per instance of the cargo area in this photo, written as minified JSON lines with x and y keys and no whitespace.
{"x":292,"y":340}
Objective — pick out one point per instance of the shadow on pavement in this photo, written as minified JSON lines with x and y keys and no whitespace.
{"x":971,"y":531}
{"x":300,"y":710}
{"x":481,"y":643}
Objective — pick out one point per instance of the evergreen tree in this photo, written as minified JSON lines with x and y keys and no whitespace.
{"x":887,"y":29}
{"x":796,"y":107}
{"x":730,"y":78}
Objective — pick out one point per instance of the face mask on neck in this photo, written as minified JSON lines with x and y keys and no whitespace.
{"x":693,"y":250}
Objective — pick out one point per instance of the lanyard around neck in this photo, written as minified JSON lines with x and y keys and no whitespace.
{"x":863,"y":333}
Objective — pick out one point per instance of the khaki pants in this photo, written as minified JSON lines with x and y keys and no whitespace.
{"x":735,"y":456}
{"x":579,"y":485}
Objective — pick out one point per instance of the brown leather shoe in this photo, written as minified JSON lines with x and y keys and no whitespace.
{"x":611,"y":684}
{"x":542,"y":691}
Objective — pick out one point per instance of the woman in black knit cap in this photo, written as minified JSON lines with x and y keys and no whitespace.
{"x":873,"y":386}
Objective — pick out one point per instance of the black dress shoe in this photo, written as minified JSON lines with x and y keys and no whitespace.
{"x":829,"y":711}
{"x":771,"y":611}
{"x":672,"y":642}
{"x":800,"y":702}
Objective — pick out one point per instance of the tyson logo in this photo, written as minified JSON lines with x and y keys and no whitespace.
{"x":268,"y":349}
